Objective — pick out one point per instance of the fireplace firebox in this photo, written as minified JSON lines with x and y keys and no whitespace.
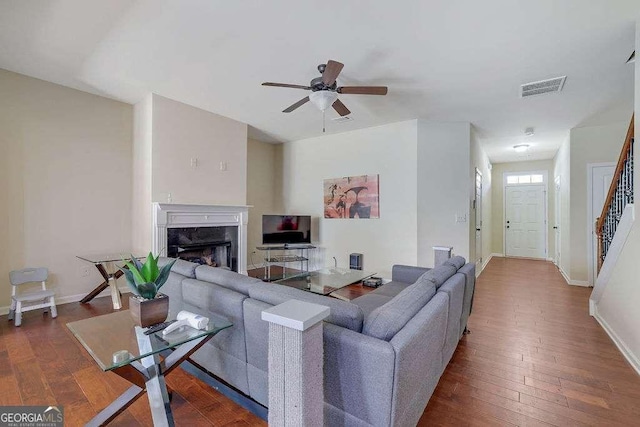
{"x":213,"y":246}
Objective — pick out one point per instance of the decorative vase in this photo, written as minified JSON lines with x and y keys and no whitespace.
{"x":147,"y":312}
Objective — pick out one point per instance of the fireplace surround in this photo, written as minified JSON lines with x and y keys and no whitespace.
{"x":214,"y":233}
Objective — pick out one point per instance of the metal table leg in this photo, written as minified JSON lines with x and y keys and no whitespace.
{"x":150,"y":372}
{"x":102,"y":286}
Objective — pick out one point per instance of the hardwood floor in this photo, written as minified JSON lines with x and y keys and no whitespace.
{"x":42,"y":363}
{"x":534,"y":357}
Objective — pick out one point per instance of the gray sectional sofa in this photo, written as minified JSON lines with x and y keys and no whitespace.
{"x":384,"y":351}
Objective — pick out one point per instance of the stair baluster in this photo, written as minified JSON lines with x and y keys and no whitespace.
{"x":619,"y":195}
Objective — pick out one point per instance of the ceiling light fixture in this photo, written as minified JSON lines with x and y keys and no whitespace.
{"x":521,"y":148}
{"x":528,"y":132}
{"x":323,"y":99}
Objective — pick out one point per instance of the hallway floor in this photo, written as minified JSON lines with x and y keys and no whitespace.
{"x":534,"y":357}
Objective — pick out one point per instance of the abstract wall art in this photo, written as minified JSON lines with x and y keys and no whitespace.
{"x":354,"y":197}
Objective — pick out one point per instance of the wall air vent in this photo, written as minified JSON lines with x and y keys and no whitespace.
{"x":543,"y":86}
{"x":342,"y":119}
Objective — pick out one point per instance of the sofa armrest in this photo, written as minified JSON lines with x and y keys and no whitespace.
{"x":407,"y":273}
{"x":358,"y":375}
{"x":418,"y":364}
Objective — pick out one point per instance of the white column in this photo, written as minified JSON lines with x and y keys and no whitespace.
{"x":296,"y":393}
{"x":441,"y":254}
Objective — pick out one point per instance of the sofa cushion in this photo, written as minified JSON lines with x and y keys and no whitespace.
{"x":392,"y":288}
{"x":440,"y":274}
{"x":226,"y":278}
{"x":185,"y":268}
{"x":385,"y":321}
{"x":370,"y":302}
{"x":456,"y":261}
{"x":407,"y":273}
{"x":343,"y":313}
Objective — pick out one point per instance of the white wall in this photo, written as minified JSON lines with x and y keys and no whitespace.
{"x":618,"y":309}
{"x":264,"y":190}
{"x":562,"y":169}
{"x":66,"y":180}
{"x":389,"y":151}
{"x":167,"y":136}
{"x":181,"y":133}
{"x":593,"y":144}
{"x":142,"y":162}
{"x":498,"y":224}
{"x":480,"y":160}
{"x":443,"y":188}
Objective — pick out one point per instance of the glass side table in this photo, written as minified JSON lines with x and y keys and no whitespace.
{"x":118,"y":345}
{"x":106,"y":265}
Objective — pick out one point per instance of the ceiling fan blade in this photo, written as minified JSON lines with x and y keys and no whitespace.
{"x":341,"y":108}
{"x":296,"y":105}
{"x":331,"y":72}
{"x":363,"y":90}
{"x":286,"y":85}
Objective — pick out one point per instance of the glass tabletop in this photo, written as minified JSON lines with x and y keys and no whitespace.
{"x":326,"y":280}
{"x":112,"y":341}
{"x":108,"y":257}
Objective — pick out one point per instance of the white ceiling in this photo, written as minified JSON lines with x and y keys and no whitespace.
{"x":443,"y":60}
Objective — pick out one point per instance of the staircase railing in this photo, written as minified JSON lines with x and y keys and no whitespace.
{"x":620,"y":193}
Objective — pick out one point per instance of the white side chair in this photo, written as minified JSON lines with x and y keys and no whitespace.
{"x":43,"y":298}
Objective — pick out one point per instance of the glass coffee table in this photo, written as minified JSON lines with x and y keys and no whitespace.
{"x":326,"y":280}
{"x":118,"y":345}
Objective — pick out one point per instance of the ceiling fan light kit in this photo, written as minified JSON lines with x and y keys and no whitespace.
{"x":323,"y":99}
{"x":324,"y":90}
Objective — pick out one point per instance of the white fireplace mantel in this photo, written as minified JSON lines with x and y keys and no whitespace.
{"x":169,"y":215}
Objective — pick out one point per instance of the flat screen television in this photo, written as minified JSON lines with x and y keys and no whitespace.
{"x":286,"y":229}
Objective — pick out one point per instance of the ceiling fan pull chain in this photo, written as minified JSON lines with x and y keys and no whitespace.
{"x":323,"y":120}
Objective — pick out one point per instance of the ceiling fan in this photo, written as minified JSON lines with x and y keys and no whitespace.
{"x":325,"y":90}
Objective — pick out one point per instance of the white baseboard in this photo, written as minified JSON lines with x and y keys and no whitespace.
{"x":631,"y":358}
{"x":583,"y":283}
{"x":564,"y":275}
{"x":486,"y":261}
{"x":73,"y":298}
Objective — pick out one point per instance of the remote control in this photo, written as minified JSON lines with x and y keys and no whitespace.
{"x":157,"y":328}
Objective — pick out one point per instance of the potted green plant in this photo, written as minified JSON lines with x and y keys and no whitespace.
{"x":147,"y":305}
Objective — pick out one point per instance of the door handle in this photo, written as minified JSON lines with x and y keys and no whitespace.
{"x":477,"y":229}
{"x":555,"y":227}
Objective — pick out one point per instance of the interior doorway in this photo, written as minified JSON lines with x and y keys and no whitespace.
{"x":525,"y":215}
{"x":599,"y":176}
{"x":478,"y":217}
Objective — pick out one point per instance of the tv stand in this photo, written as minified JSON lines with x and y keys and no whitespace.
{"x":285,"y":258}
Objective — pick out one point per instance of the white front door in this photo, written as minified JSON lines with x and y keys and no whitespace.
{"x":525,"y":221}
{"x":601,"y":176}
{"x":478,"y":218}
